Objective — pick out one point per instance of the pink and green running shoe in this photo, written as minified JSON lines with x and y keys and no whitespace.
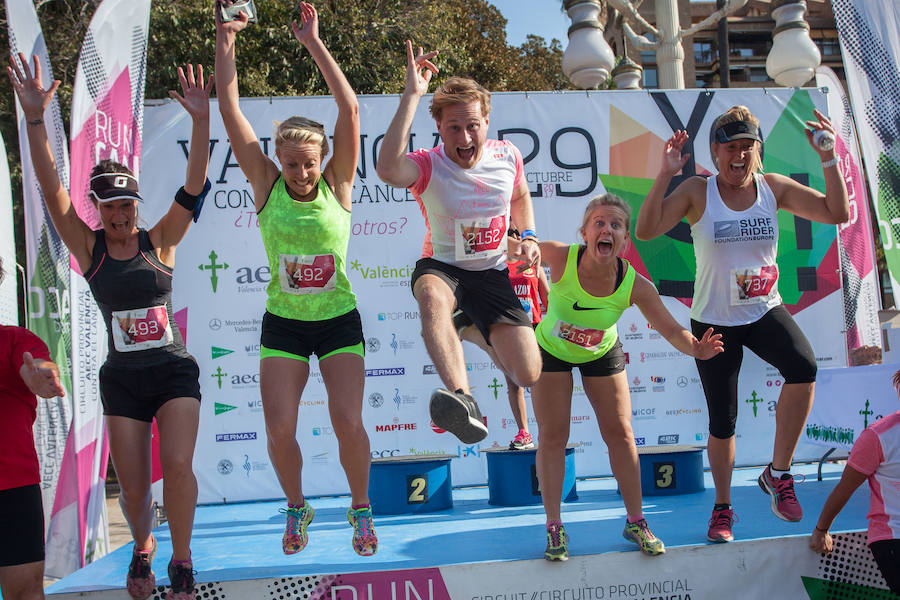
{"x":365,"y":542}
{"x":639,"y":533}
{"x":298,"y":519}
{"x":557,"y":543}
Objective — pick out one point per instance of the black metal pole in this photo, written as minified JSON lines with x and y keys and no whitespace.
{"x":724,"y":67}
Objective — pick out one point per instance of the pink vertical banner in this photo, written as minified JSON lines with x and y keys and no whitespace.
{"x":107,"y":114}
{"x":860,"y":284}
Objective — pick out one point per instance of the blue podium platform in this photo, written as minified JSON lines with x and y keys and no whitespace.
{"x":240,"y":544}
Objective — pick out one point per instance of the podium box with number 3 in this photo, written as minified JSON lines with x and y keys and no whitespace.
{"x":669,"y":470}
{"x":410,"y":484}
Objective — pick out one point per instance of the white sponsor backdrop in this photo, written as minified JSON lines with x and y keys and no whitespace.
{"x":9,"y":301}
{"x":221,"y":274}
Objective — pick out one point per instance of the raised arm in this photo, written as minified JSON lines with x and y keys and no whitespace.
{"x":169,"y":231}
{"x":393,"y":166}
{"x":660,"y":213}
{"x":34,"y":99}
{"x":259,"y":169}
{"x":646,"y":298}
{"x":831,"y":207}
{"x":341,"y":168}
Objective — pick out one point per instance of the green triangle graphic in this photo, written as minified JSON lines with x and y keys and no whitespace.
{"x":824,"y":589}
{"x":220,"y":352}
{"x":223,"y":408}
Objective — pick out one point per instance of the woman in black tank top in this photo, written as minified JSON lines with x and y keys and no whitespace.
{"x":148,"y":372}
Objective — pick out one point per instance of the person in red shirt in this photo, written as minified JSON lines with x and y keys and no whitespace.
{"x":25,"y":371}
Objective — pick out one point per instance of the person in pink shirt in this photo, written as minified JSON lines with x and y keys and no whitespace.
{"x":469,"y":188}
{"x":874,"y":457}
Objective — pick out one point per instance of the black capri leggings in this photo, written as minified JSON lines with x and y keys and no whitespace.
{"x":887,"y":556}
{"x":775,"y":338}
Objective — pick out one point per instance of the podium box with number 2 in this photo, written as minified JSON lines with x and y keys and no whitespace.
{"x":669,"y":470}
{"x":410,"y":484}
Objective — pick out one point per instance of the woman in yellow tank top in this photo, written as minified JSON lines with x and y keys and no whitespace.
{"x":589,"y":289}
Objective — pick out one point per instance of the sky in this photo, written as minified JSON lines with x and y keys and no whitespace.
{"x":540,"y":17}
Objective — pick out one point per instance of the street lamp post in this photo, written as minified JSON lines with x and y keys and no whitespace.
{"x":588,"y":58}
{"x":794,"y":57}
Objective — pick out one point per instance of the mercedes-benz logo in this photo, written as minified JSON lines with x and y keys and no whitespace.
{"x":215,"y":324}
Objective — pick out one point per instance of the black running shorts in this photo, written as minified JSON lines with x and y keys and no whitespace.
{"x":21,"y":526}
{"x":139,"y":393}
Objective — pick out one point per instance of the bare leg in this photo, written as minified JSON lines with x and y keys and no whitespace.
{"x":436,"y":304}
{"x":551,"y":398}
{"x":344,"y":377}
{"x":721,"y":463}
{"x":517,"y":349}
{"x":178,"y":420}
{"x":794,"y":404}
{"x":23,"y":582}
{"x":611,"y":401}
{"x":129,"y":448}
{"x":281,"y":383}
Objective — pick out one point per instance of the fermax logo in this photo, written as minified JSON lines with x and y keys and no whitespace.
{"x":236,"y":437}
{"x":213,"y":268}
{"x":385,"y":371}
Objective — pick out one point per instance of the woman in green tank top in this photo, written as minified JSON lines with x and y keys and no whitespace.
{"x":590,"y":287}
{"x":304,"y":217}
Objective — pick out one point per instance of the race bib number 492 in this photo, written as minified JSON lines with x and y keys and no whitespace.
{"x":587,"y":338}
{"x":141,"y":329}
{"x":307,"y":274}
{"x":480,"y":238}
{"x":753,"y":285}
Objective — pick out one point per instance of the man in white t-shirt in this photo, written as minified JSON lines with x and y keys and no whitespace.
{"x":468,"y":189}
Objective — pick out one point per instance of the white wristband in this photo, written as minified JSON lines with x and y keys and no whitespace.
{"x":830,"y":163}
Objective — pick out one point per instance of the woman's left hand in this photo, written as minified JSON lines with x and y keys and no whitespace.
{"x":821,"y":124}
{"x":308,"y":30}
{"x":196,"y":94}
{"x":529,"y":252}
{"x":708,"y":346}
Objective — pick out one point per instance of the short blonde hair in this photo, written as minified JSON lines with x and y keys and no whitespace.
{"x":459,"y":90}
{"x":300,"y":130}
{"x":606,"y":200}
{"x":733,"y":115}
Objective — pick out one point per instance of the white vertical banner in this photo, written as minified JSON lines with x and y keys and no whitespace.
{"x":870,"y":46}
{"x":47,"y":274}
{"x":860,"y":284}
{"x":9,"y":301}
{"x":107,"y":109}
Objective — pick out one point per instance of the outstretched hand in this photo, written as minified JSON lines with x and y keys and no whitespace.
{"x":196,"y":94}
{"x":29,"y":89}
{"x":308,"y":30}
{"x":707,"y":346}
{"x":42,"y":379}
{"x":419,"y":70}
{"x":242,"y":20}
{"x":529,"y":253}
{"x":672,"y":159}
{"x":822,"y":123}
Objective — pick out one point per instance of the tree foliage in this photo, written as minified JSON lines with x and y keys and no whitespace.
{"x":366,"y":38}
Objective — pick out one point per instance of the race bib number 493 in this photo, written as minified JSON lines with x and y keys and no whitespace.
{"x":480,"y":238}
{"x":141,"y":329}
{"x":307,"y":274}
{"x":587,"y":338}
{"x":753,"y":285}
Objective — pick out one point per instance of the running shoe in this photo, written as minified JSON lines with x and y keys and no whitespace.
{"x":365,"y":542}
{"x":181,"y":581}
{"x":460,"y":321}
{"x":295,"y":538}
{"x":522,"y":441}
{"x":784,"y":500}
{"x":458,"y":413}
{"x":141,"y":580}
{"x":720,"y":526}
{"x":639,"y":533}
{"x":557,"y":543}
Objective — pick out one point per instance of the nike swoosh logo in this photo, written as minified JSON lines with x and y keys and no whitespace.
{"x":576,"y":307}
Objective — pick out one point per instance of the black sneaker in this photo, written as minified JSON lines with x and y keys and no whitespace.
{"x":181,"y":581}
{"x":457,"y":412}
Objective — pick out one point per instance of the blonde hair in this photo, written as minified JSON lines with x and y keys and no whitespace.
{"x":300,"y":130}
{"x":606,"y":200}
{"x":733,"y":115}
{"x":459,"y":90}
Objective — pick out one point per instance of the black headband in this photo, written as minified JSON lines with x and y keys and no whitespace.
{"x":736,"y":130}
